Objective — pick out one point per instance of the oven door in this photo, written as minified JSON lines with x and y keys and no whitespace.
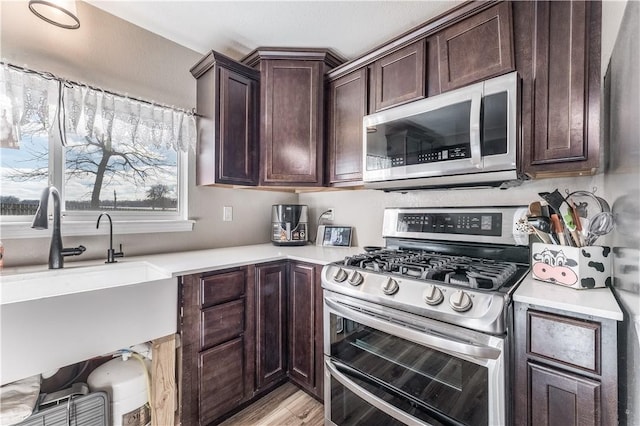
{"x":388,"y":367}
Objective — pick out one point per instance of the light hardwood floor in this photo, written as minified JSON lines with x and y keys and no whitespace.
{"x":285,"y":406}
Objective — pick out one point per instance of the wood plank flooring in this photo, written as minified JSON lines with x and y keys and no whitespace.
{"x":285,"y":406}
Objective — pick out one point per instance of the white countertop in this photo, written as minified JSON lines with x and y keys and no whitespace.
{"x":22,"y":284}
{"x":192,"y":262}
{"x":598,"y":302}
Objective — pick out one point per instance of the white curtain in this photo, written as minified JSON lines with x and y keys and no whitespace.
{"x":30,"y":101}
{"x":27,"y":105}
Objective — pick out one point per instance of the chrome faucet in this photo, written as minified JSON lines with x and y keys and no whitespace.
{"x":111,"y":253}
{"x":41,"y":221}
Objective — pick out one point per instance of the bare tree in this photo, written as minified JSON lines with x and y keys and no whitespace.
{"x":101,"y":161}
{"x":158,"y":194}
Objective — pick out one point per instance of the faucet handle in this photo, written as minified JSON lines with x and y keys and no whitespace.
{"x":73,"y":251}
{"x":120,"y":253}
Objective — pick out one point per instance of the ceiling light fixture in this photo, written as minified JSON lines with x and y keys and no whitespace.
{"x":61,"y":13}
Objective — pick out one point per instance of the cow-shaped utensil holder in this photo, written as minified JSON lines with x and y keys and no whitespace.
{"x":575,"y":267}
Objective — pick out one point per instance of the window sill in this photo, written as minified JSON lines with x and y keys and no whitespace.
{"x":14,"y":230}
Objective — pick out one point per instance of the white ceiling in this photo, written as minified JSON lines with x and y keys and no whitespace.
{"x":235,"y":28}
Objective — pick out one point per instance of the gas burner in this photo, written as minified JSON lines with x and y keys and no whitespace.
{"x":464,"y":271}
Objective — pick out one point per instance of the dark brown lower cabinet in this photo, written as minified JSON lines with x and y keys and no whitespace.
{"x":217,"y":351}
{"x":221,"y":379}
{"x":271,"y":311}
{"x":245,"y":331}
{"x":305,"y":327}
{"x":565,"y":368}
{"x":559,"y":398}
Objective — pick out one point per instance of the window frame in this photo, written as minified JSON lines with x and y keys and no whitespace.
{"x":83,"y":223}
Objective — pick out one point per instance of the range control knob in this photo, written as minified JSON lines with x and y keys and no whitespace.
{"x":432,"y":295}
{"x":356,"y":279}
{"x":460,"y":301}
{"x":340,"y":275}
{"x":390,"y":287}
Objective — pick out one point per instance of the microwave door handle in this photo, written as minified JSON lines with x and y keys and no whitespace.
{"x":474,"y":130}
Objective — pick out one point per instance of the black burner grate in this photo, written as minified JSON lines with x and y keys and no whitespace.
{"x":477,"y":273}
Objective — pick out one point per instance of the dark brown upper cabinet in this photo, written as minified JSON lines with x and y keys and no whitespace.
{"x":347,"y":105}
{"x":474,"y":49}
{"x":227,"y":100}
{"x":399,"y":77}
{"x":558,"y":55}
{"x":292,"y":114}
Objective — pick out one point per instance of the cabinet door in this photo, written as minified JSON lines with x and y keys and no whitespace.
{"x":271,"y":359}
{"x":302,"y":315}
{"x":237,"y":146}
{"x":347,"y":105}
{"x":400,"y":76}
{"x":292,"y":131}
{"x":217,"y":330}
{"x":563,"y":399}
{"x":227,"y":101}
{"x":476,"y":48}
{"x":221,"y":379}
{"x":561,"y":91}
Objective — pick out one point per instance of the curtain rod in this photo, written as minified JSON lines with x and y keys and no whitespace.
{"x":50,"y":76}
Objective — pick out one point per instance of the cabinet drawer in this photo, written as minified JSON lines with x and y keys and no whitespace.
{"x":566,"y":340}
{"x":221,"y":323}
{"x":222,"y":287}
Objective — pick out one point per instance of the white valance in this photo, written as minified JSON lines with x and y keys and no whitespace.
{"x":36,"y":102}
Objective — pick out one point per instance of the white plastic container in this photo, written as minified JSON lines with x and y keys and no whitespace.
{"x":126,"y":384}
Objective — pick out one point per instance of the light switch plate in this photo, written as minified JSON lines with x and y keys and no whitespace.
{"x":227,"y":213}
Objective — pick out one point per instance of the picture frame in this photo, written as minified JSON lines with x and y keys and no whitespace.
{"x":336,"y":236}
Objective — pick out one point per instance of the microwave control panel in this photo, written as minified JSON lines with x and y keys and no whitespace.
{"x":489,"y":224}
{"x":421,"y":156}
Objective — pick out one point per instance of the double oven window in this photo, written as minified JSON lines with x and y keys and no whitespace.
{"x":425,"y":383}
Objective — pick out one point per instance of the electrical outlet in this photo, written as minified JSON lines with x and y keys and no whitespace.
{"x":227,"y":213}
{"x":330,"y":214}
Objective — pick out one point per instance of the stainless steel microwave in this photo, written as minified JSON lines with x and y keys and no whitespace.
{"x":465,"y":137}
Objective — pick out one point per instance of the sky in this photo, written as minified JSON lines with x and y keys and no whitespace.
{"x":21,"y":160}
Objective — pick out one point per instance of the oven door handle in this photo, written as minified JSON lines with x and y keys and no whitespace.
{"x":446,"y":343}
{"x":371,"y":398}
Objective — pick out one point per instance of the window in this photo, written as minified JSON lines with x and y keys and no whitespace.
{"x":102,"y":151}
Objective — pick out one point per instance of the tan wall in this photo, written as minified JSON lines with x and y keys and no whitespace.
{"x":113,"y":54}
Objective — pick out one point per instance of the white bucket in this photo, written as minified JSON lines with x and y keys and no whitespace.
{"x":126,"y":384}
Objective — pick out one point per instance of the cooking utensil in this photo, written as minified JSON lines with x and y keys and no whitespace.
{"x":558,"y":229}
{"x":587,"y":203}
{"x":535,"y":209}
{"x":523,"y":225}
{"x":560,"y":206}
{"x":541,"y":223}
{"x":601,"y":224}
{"x":541,"y":227}
{"x":554,"y":199}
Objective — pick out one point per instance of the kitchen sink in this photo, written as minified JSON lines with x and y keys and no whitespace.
{"x":53,"y":318}
{"x":31,"y":285}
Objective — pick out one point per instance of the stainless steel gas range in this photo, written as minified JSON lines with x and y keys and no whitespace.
{"x":418,"y":332}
